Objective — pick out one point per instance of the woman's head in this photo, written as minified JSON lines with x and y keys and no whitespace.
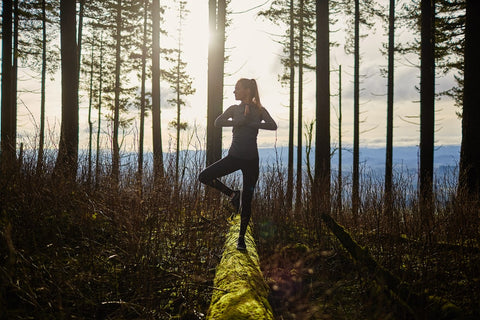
{"x":246,"y":90}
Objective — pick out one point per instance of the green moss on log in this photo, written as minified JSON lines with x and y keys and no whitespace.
{"x":240,"y":291}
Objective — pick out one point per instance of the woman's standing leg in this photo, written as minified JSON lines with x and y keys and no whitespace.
{"x":250,"y":176}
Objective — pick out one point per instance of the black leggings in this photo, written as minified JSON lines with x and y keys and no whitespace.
{"x":225,"y":166}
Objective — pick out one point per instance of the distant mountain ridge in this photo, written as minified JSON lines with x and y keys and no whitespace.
{"x":374,"y":158}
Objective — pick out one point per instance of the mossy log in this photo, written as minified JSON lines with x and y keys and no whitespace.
{"x":420,"y":305}
{"x":240,"y":292}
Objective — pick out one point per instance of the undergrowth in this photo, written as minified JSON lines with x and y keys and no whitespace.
{"x":105,"y":252}
{"x":94,"y":250}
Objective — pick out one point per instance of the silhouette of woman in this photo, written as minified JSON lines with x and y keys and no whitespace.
{"x":245,"y":118}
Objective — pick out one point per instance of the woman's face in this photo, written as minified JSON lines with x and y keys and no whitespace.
{"x":241,"y":93}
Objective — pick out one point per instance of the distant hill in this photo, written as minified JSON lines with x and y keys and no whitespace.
{"x":374,"y":158}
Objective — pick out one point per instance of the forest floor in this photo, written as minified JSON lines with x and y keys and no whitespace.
{"x":77,"y":252}
{"x":324,"y":282}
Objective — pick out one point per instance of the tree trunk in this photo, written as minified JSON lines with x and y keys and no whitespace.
{"x":99,"y":120}
{"x":298,"y":195}
{"x":427,"y":109}
{"x":216,"y":53}
{"x":322,"y":130}
{"x":177,"y":153}
{"x":8,"y":109}
{"x":13,"y":115}
{"x":470,"y":151}
{"x":241,"y":291}
{"x":116,"y":113}
{"x":42,"y":90}
{"x":356,"y":115}
{"x":289,"y":194}
{"x":67,"y":161}
{"x":142,"y":97}
{"x":390,"y":87}
{"x":156,"y":123}
{"x":339,"y":181}
{"x":90,"y":122}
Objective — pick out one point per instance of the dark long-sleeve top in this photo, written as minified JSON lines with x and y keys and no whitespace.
{"x":245,"y":128}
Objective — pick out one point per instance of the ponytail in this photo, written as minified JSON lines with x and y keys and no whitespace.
{"x":251,"y":84}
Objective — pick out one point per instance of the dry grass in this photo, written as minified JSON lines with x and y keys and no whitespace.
{"x":93,"y":251}
{"x":105,"y":252}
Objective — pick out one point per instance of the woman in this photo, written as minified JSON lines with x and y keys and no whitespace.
{"x":245,"y":118}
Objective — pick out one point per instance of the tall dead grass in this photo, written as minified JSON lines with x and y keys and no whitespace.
{"x":99,"y":251}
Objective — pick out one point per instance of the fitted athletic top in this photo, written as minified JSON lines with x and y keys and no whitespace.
{"x":245,"y":128}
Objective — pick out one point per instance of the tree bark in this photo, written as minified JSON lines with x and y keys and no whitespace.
{"x":156,"y":113}
{"x":13,"y":115}
{"x":142,"y":97}
{"x":339,"y":178}
{"x":99,"y":120}
{"x":8,"y":142}
{"x":427,"y":108}
{"x":390,"y":87}
{"x":42,"y":90}
{"x":116,"y":112}
{"x":216,"y":53}
{"x":90,"y":122}
{"x":298,"y":195}
{"x":289,"y":194}
{"x":67,"y":161}
{"x":356,"y":115}
{"x":322,"y":131}
{"x":470,"y":151}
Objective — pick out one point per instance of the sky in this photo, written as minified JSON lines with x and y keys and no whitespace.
{"x":254,"y":52}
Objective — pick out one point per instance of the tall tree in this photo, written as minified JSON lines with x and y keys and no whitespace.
{"x":339,"y":178}
{"x":180,"y":82}
{"x":41,"y":142}
{"x":356,"y":114}
{"x":67,"y":160}
{"x":390,"y":87}
{"x":99,"y":117}
{"x":427,"y":106}
{"x":142,"y":93}
{"x":298,"y":47}
{"x":469,"y":178}
{"x":119,"y":22}
{"x":301,"y":29}
{"x":115,"y":174}
{"x":13,"y":119}
{"x":289,"y":194}
{"x":360,"y":18}
{"x":322,"y":128}
{"x":156,"y":123}
{"x":90,"y":121}
{"x":37,"y":29}
{"x":8,"y":144}
{"x":216,"y":55}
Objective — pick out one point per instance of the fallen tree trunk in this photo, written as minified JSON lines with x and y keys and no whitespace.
{"x":421,"y":306}
{"x":240,"y":291}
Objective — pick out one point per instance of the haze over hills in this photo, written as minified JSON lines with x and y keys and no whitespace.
{"x":373,"y":159}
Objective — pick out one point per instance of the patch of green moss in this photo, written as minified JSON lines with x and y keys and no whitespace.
{"x":240,"y":291}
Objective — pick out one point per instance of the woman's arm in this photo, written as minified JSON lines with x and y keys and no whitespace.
{"x":225,"y":119}
{"x":266,"y":121}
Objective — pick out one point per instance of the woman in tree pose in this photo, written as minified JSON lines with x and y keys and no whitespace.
{"x":245,"y":118}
